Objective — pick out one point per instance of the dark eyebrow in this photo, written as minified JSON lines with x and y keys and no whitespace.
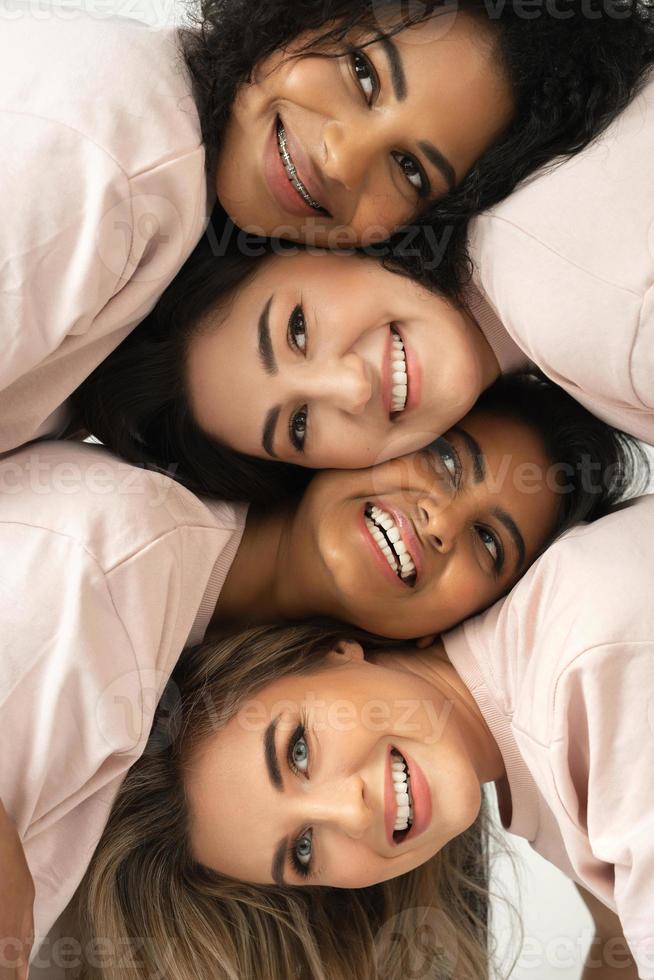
{"x":398,"y":77}
{"x":270,"y":755}
{"x":479,"y":464}
{"x":475,"y":452}
{"x":275,"y":776}
{"x":279,"y":859}
{"x":400,"y":88}
{"x":514,"y":531}
{"x":268,"y":434}
{"x":266,"y":352}
{"x":440,"y":161}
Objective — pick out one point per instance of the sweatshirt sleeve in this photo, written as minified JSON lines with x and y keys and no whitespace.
{"x":604,"y":759}
{"x":65,"y":215}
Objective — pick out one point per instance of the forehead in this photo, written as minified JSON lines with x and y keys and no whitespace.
{"x":456,"y":55}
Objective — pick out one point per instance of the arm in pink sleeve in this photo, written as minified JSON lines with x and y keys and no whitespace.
{"x":65,"y":238}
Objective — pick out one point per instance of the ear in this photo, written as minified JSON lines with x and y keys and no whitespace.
{"x":348,"y":650}
{"x":426,"y":641}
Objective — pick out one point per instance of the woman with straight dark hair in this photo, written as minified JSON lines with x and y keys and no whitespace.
{"x":333,"y":122}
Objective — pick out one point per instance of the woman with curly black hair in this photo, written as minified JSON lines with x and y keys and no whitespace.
{"x":328,"y":121}
{"x":336,"y":123}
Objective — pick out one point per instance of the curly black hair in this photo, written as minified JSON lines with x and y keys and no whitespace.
{"x":573,"y":66}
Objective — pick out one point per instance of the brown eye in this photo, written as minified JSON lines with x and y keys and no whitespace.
{"x":297,"y":428}
{"x":365,"y":75}
{"x":297,"y":329}
{"x":413,"y":172}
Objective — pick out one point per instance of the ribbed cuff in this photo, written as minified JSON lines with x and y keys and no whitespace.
{"x":509,"y":356}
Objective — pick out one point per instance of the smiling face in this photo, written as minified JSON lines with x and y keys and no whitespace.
{"x":342,"y":788}
{"x":334,"y":361}
{"x":416,"y":545}
{"x":343,"y":150}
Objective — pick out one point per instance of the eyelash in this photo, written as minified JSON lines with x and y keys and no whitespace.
{"x":445,"y":448}
{"x":298,"y":420}
{"x":357,"y":55}
{"x":299,"y":734}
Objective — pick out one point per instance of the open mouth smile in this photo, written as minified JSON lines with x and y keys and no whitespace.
{"x":399,"y":374}
{"x":291,"y":170}
{"x":403,"y":797}
{"x":387,"y":536}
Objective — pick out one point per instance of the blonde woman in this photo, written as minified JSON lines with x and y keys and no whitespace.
{"x":109,"y":571}
{"x":302,"y":785}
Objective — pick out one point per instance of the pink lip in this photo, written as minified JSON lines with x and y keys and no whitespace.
{"x":420,"y":794}
{"x":414,"y":375}
{"x":282,"y":190}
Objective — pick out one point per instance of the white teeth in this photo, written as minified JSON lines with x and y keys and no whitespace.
{"x":401,"y":786}
{"x":289,"y":167}
{"x":388,"y":539}
{"x":399,"y":376}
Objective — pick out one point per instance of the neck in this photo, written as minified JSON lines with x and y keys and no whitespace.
{"x":261,"y":586}
{"x":433,"y":665}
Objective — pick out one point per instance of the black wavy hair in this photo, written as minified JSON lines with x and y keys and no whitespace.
{"x":573,"y":66}
{"x":594,"y":466}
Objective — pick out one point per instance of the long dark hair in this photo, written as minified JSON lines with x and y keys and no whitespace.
{"x":136,"y":401}
{"x":594,"y":465}
{"x":573,"y":66}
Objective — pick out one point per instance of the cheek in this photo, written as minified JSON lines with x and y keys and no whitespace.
{"x":310,"y":83}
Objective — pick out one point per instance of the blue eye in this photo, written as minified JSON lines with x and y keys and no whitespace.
{"x":300,"y":754}
{"x":301,"y":850}
{"x":303,"y":847}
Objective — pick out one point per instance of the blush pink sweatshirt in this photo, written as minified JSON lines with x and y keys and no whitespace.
{"x":107,"y":572}
{"x":563,"y":672}
{"x":103,"y":195}
{"x":567,"y":264}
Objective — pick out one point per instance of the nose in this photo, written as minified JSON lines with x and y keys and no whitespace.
{"x":341,"y":803}
{"x":443,"y":520}
{"x":343,"y":382}
{"x":348,"y":153}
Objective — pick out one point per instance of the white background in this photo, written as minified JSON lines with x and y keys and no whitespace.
{"x":557,"y":929}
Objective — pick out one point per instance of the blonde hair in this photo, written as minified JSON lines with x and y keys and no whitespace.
{"x":146,"y":909}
